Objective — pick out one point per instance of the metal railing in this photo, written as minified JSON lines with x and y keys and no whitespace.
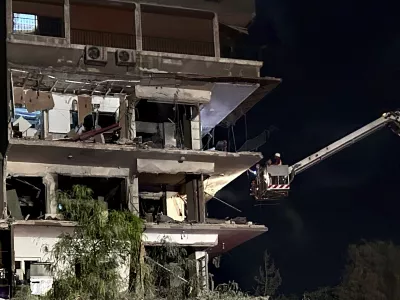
{"x":127,"y":41}
{"x":178,"y":46}
{"x":105,"y":39}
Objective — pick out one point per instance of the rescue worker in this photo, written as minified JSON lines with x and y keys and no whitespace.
{"x":277,"y":159}
{"x":269,"y":162}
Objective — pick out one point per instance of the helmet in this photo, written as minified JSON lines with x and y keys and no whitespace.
{"x":278,"y":155}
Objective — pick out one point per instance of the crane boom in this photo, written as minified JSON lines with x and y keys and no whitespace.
{"x":392,"y":118}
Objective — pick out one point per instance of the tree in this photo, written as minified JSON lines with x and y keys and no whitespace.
{"x":325,"y":293}
{"x":87,"y":261}
{"x":269,"y":278}
{"x":372,"y":272}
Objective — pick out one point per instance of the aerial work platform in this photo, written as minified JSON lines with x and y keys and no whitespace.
{"x":273,"y":182}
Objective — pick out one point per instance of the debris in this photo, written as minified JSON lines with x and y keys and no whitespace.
{"x":38,"y":101}
{"x":13,"y":205}
{"x":161,"y":218}
{"x":92,"y":133}
{"x":23,"y":125}
{"x":239,"y":220}
{"x":19,"y":94}
{"x":222,"y":146}
{"x":84,"y":107}
{"x":99,"y":139}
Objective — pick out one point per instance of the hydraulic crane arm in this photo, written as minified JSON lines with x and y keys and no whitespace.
{"x":391,"y":119}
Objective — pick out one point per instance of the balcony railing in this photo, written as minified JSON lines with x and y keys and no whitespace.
{"x":127,"y":41}
{"x":178,"y":46}
{"x":105,"y":39}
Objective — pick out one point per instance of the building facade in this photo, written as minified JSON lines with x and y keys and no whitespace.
{"x":118,"y":96}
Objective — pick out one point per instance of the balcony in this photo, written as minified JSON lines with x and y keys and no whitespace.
{"x":177,"y":46}
{"x":106,"y":39}
{"x":108,"y":25}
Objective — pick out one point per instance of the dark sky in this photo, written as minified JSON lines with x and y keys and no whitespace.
{"x":340,"y":64}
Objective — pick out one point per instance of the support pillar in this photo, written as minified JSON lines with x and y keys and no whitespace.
{"x":3,"y":192}
{"x":133,"y":195}
{"x":195,"y":128}
{"x":123,"y":117}
{"x":200,"y":270}
{"x":195,"y":199}
{"x":51,"y":183}
{"x":217,"y":47}
{"x":9,"y":17}
{"x":45,"y":125}
{"x":138,"y":28}
{"x":67,"y":22}
{"x":131,"y":118}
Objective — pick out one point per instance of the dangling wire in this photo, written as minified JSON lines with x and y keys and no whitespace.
{"x":233,"y":137}
{"x":245,"y":129}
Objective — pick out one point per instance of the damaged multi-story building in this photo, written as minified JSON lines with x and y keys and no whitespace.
{"x":117,"y":96}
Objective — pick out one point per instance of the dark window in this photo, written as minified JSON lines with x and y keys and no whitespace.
{"x":38,"y":25}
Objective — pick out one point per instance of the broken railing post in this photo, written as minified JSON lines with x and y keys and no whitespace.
{"x":131,"y":118}
{"x":45,"y":125}
{"x":133,"y":199}
{"x":51,"y":181}
{"x":123,"y":116}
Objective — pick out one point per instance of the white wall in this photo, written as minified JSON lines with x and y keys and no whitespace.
{"x":60,"y":116}
{"x":31,"y":241}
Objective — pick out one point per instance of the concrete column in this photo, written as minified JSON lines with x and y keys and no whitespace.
{"x":45,"y":125}
{"x":9,"y":17}
{"x":195,"y":128}
{"x":200,"y":270}
{"x":138,"y":27}
{"x":133,"y":195}
{"x":195,"y":199}
{"x":131,"y":118}
{"x":67,"y":21}
{"x":51,"y":183}
{"x":3,"y":193}
{"x":123,"y":116}
{"x":217,"y":47}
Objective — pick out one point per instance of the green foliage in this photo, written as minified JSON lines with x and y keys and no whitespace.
{"x":325,"y":293}
{"x":269,"y":279}
{"x":170,"y":263}
{"x":24,"y":293}
{"x":373,"y":272}
{"x":87,"y":261}
{"x":286,"y":297}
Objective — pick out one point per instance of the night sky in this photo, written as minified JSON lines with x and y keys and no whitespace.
{"x":340,"y":64}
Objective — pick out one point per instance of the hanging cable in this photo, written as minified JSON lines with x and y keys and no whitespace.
{"x":233,"y":138}
{"x":245,"y":130}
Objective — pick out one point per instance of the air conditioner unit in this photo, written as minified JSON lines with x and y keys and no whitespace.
{"x":125,"y":57}
{"x":95,"y":55}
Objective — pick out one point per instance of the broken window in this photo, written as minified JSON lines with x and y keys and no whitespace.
{"x":162,"y":125}
{"x":26,"y":124}
{"x":110,"y":190}
{"x":45,"y":19}
{"x":160,"y":199}
{"x":26,"y":197}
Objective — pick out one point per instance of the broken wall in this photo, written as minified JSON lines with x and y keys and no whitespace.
{"x":60,"y":116}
